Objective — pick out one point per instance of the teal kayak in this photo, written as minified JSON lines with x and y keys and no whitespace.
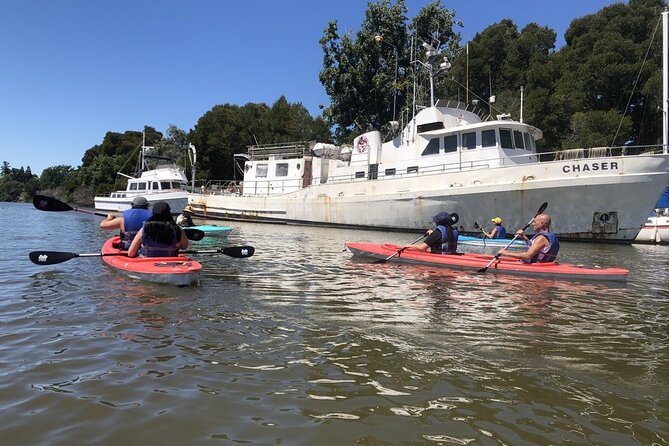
{"x":213,"y":230}
{"x":490,"y":242}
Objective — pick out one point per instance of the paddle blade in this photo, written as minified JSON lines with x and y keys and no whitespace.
{"x":194,"y":234}
{"x":238,"y":251}
{"x":44,"y":203}
{"x":51,"y":257}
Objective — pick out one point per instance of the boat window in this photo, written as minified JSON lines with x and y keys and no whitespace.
{"x":505,"y":139}
{"x":528,"y":141}
{"x":155,"y":186}
{"x":133,"y":186}
{"x":176,"y":185}
{"x":141,"y":186}
{"x":488,"y":138}
{"x":432,"y":147}
{"x":412,"y":169}
{"x":390,"y":172}
{"x":164,"y":185}
{"x":437,"y":125}
{"x":360,"y":174}
{"x":469,"y":140}
{"x":261,"y":171}
{"x":282,"y":170}
{"x":518,"y":139}
{"x":451,"y":143}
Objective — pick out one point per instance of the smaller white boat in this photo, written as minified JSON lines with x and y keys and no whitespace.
{"x":656,"y":228}
{"x":166,"y":183}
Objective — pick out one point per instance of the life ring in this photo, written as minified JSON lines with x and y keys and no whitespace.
{"x":362,"y":145}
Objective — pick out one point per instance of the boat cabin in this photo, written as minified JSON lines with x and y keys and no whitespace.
{"x":161,"y":179}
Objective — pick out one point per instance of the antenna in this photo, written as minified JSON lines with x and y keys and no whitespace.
{"x":521,"y":103}
{"x":467,"y":76}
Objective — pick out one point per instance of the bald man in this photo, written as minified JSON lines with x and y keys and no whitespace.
{"x":542,"y":247}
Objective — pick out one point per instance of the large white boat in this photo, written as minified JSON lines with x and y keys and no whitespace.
{"x":447,"y":158}
{"x":165,"y":182}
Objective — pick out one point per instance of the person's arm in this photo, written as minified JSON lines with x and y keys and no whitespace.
{"x":136,"y":243}
{"x":112,"y":222}
{"x":420,"y":246}
{"x":183,"y":243}
{"x":492,"y":233}
{"x":538,"y":244}
{"x":432,"y":237}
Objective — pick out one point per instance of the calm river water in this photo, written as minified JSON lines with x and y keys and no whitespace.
{"x":301,"y":345}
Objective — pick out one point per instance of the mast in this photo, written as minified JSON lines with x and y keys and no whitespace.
{"x":665,"y":79}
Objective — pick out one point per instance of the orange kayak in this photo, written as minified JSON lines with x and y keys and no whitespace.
{"x":180,"y":270}
{"x":470,"y":261}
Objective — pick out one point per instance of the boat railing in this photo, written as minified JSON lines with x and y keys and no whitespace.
{"x":599,"y":152}
{"x":295,"y":149}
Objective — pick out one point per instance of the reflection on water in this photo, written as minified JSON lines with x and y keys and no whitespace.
{"x":301,"y":344}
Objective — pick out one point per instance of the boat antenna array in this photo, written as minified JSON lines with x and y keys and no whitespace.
{"x":433,"y":53}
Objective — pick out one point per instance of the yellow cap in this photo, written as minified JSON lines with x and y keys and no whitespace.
{"x":497,"y":220}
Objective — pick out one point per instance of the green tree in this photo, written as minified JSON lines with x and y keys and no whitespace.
{"x":53,"y":177}
{"x":595,"y":129}
{"x":604,"y":67}
{"x":174,"y":145}
{"x":358,"y":73}
{"x":229,"y":129}
{"x":17,"y":184}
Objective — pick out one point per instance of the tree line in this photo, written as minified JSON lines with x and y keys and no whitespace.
{"x":602,"y":88}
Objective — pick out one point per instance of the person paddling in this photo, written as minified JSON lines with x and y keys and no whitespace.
{"x":498,"y":231}
{"x":129,"y":222}
{"x":160,"y":236}
{"x":542,"y":247}
{"x":443,"y":239}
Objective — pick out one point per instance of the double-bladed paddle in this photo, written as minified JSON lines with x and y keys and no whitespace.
{"x":542,"y":208}
{"x":399,"y":251}
{"x":45,"y":203}
{"x":476,"y":225}
{"x":54,"y":257}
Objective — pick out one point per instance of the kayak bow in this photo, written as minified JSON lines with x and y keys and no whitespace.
{"x":179,"y":270}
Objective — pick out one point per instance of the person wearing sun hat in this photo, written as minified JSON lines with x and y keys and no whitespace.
{"x":129,"y":222}
{"x":498,"y":231}
{"x":443,"y":239}
{"x":185,"y":219}
{"x":160,"y":236}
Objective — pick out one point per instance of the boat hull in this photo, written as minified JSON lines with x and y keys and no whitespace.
{"x":607,"y":205}
{"x":180,"y":270}
{"x":213,"y":230}
{"x":655,"y":231}
{"x":505,"y":265}
{"x":121,"y":201}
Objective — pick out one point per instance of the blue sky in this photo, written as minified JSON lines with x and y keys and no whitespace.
{"x":71,"y":70}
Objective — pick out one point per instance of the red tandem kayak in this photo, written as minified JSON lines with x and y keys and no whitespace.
{"x":179,"y":270}
{"x":470,"y":261}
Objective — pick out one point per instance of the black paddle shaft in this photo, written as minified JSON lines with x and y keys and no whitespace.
{"x":54,"y":257}
{"x":50,"y":204}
